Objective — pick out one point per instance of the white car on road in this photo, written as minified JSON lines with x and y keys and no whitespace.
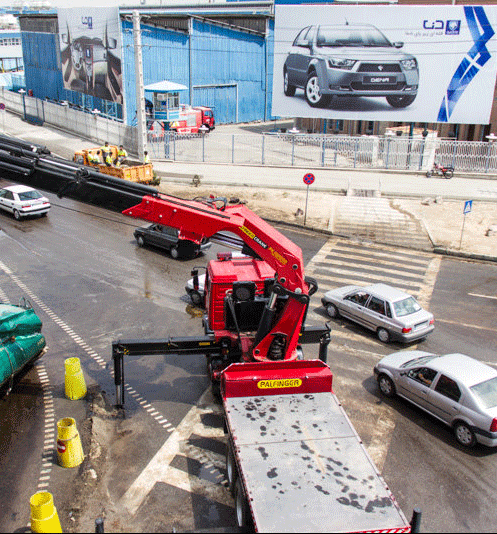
{"x":22,"y":200}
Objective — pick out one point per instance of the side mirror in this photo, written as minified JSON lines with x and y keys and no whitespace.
{"x":111,"y":43}
{"x":64,"y":38}
{"x":194,"y":273}
{"x":398,"y":44}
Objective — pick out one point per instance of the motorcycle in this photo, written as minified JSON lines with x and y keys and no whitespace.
{"x":440,"y":170}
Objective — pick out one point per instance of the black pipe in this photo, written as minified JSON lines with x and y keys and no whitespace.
{"x":40,"y":149}
{"x":15,"y":168}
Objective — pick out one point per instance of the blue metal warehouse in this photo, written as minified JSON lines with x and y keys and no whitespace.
{"x":222,"y":54}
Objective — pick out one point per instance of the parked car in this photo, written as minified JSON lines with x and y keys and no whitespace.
{"x":197,"y":295}
{"x":167,"y":238}
{"x":22,"y":201}
{"x":349,"y":60}
{"x":456,"y":389}
{"x":391,"y":313}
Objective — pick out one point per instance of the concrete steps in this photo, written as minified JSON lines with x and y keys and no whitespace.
{"x":375,"y":219}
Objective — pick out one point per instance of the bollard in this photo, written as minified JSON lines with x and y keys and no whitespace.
{"x":75,"y":381}
{"x":44,"y":516}
{"x":69,"y":448}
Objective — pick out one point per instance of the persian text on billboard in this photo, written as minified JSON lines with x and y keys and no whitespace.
{"x":90,"y":48}
{"x":391,"y":63}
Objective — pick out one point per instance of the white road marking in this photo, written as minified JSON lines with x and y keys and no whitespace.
{"x":482,"y":296}
{"x":159,"y":469}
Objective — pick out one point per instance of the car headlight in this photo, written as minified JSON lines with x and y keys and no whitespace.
{"x":339,"y":63}
{"x":409,"y":64}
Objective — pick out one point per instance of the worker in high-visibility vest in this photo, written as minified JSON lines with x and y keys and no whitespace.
{"x":105,"y":149}
{"x":93,"y":159}
{"x":122,"y":156}
{"x":146,"y":158}
{"x":108,"y":159}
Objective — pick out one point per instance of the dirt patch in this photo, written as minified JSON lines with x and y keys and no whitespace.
{"x":444,"y":220}
{"x":272,"y":204}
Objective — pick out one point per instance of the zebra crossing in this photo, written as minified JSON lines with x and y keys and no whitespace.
{"x":343,"y":262}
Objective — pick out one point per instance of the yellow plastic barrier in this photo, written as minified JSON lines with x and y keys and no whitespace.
{"x":69,"y":448}
{"x":44,"y":516}
{"x":75,"y":381}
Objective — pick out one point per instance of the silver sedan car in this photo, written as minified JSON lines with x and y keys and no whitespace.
{"x":456,"y":389}
{"x":391,"y":313}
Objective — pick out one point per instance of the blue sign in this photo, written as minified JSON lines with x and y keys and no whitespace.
{"x":467,"y":206}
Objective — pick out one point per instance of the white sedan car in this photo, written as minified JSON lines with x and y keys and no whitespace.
{"x":456,"y":389}
{"x":391,"y":313}
{"x":21,"y":201}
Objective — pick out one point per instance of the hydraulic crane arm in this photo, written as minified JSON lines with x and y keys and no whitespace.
{"x":278,"y":332}
{"x":199,"y":218}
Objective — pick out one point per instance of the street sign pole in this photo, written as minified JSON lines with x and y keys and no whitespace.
{"x":306,"y":200}
{"x":308,"y":180}
{"x":467,"y":209}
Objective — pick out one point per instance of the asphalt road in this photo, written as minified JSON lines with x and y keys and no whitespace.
{"x":91,"y":284}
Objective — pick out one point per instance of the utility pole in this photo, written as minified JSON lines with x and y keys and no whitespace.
{"x":141,"y":117}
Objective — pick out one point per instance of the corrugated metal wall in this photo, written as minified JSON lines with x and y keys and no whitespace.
{"x":42,"y":64}
{"x":165,"y":57}
{"x":225,"y":68}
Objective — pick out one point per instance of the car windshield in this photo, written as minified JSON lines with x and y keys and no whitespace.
{"x":406,"y":307}
{"x":29,"y":195}
{"x":335,"y":37}
{"x":486,"y":393}
{"x":415,"y":362}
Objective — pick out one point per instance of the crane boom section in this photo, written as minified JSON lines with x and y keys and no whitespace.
{"x":198,"y":219}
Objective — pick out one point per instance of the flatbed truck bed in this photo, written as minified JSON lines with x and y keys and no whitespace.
{"x":297,"y":458}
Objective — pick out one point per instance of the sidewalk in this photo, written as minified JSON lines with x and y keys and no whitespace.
{"x":375,"y":205}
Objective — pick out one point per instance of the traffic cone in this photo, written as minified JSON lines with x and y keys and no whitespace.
{"x":75,"y":381}
{"x":44,"y":516}
{"x":69,"y":448}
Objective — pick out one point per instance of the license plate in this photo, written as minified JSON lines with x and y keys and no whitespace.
{"x":380,"y":79}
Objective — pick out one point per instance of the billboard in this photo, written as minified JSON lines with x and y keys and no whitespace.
{"x":90,"y":51}
{"x":408,"y":63}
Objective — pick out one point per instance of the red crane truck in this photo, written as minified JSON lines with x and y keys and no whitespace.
{"x":294,"y":461}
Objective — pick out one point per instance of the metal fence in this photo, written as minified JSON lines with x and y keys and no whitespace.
{"x":278,"y":149}
{"x":310,"y":150}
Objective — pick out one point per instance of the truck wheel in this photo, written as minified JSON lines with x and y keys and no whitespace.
{"x":174,"y":253}
{"x":231,"y":470}
{"x":243,"y":517}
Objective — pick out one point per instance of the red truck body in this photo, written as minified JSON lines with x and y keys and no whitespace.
{"x":192,"y":119}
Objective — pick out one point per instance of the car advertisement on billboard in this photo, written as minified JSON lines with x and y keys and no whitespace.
{"x":386,"y":63}
{"x":90,"y":51}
